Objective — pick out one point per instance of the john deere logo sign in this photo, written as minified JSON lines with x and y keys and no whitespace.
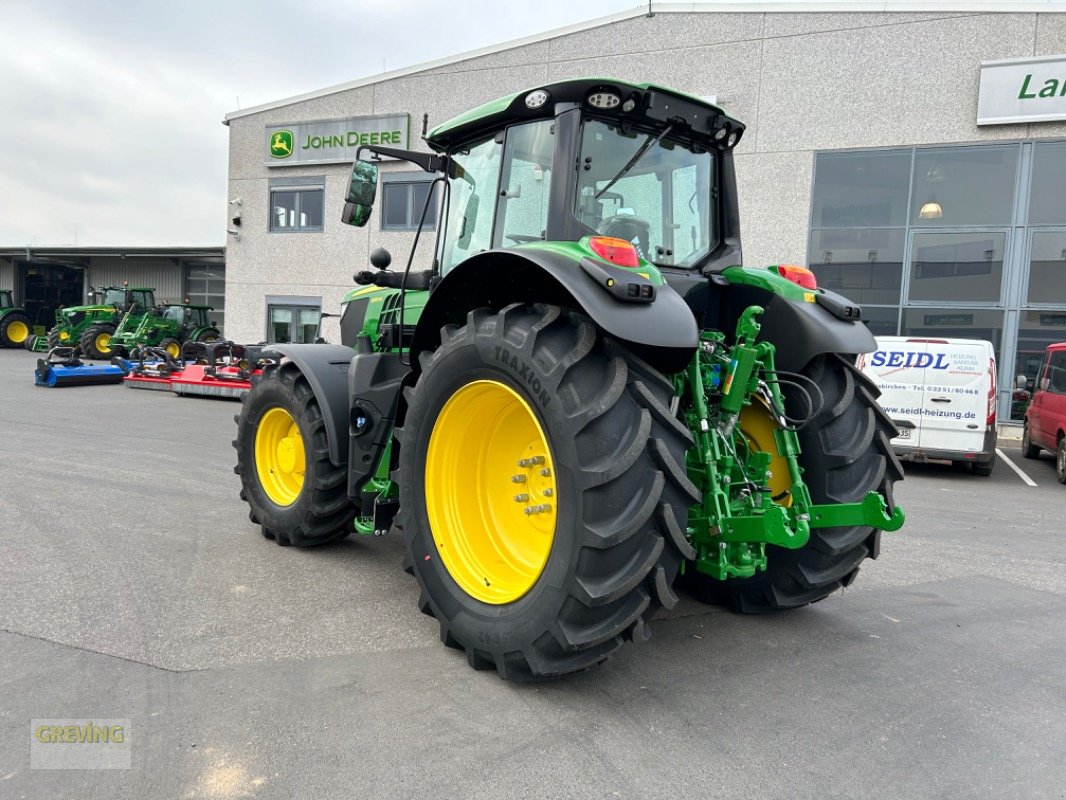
{"x":281,"y":144}
{"x":335,"y":140}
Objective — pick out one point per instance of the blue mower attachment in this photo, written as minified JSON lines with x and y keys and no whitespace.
{"x":62,"y":367}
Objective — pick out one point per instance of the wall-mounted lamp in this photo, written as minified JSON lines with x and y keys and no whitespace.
{"x":827,"y":257}
{"x":235,"y":234}
{"x":871,"y":256}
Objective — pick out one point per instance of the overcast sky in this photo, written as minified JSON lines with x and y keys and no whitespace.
{"x":110,"y":112}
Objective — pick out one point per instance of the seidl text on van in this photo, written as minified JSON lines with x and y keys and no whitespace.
{"x":941,"y":393}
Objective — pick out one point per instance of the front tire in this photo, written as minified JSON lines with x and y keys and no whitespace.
{"x":845,"y":454}
{"x":172,"y":347}
{"x":95,"y":341}
{"x":1060,"y":460}
{"x":535,"y":592}
{"x":294,"y":492}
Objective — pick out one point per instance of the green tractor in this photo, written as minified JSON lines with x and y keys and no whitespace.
{"x":91,"y":327}
{"x":168,"y":326}
{"x":584,"y":401}
{"x":15,"y":326}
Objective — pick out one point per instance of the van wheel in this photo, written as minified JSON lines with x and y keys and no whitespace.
{"x":984,"y":469}
{"x":1029,"y":450}
{"x":1060,"y":461}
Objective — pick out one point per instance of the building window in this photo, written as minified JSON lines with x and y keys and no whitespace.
{"x":966,"y":241}
{"x":205,"y":285}
{"x":292,"y":324}
{"x":296,"y":208}
{"x":402,"y":203}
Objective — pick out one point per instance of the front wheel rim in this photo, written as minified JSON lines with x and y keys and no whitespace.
{"x":280,"y":459}
{"x":17,"y":331}
{"x":490,"y":490}
{"x":103,"y":343}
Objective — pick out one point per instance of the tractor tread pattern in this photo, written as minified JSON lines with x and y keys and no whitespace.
{"x":629,"y":474}
{"x":87,"y":340}
{"x":329,"y":513}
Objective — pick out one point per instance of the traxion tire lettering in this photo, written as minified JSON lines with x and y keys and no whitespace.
{"x":524,"y":373}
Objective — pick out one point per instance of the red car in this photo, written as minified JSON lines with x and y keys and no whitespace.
{"x":1045,"y":420}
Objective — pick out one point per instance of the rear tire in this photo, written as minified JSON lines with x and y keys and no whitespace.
{"x":619,"y":506}
{"x":296,"y":508}
{"x":14,"y":329}
{"x":846,"y":452}
{"x":95,"y":341}
{"x":1060,"y":460}
{"x":985,"y":469}
{"x":1029,"y":450}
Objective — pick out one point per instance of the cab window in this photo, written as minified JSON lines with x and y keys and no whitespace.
{"x":522,"y":207}
{"x":473,"y":176}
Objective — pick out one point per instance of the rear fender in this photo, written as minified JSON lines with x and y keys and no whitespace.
{"x":662,"y":332}
{"x":797,"y":321}
{"x":326,"y":368}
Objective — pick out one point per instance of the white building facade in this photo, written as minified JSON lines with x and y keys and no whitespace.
{"x":915,"y":160}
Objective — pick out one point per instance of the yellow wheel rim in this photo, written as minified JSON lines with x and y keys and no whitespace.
{"x":173,"y":350}
{"x":280,"y":461}
{"x":64,"y":335}
{"x":757,"y":424}
{"x":490,"y":492}
{"x":17,"y":331}
{"x":103,"y":343}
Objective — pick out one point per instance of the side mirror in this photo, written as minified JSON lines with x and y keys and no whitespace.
{"x":1021,"y":382}
{"x":362,"y":188}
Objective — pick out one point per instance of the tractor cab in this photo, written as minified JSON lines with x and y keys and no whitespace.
{"x":186,"y":317}
{"x":583,"y":161}
{"x":126,"y":299}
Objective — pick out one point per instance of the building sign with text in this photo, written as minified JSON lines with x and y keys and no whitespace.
{"x":333,"y":141}
{"x":1022,"y":90}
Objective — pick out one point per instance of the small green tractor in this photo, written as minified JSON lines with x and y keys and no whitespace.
{"x":168,"y":326}
{"x":15,"y":326}
{"x":91,"y":327}
{"x":582,"y":403}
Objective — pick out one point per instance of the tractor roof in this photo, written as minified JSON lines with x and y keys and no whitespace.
{"x":652,"y":105}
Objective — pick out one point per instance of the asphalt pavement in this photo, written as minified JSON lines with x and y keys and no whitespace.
{"x":133,"y":587}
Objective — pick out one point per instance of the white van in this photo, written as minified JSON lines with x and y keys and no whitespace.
{"x":941,"y":393}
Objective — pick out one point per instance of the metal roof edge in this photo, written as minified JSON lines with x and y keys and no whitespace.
{"x":723,"y":7}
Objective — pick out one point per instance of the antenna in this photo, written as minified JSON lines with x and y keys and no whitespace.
{"x":650,"y":13}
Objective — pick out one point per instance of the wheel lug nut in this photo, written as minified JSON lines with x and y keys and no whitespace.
{"x":543,"y":507}
{"x":547,"y":492}
{"x":521,"y":498}
{"x":546,"y":472}
{"x":518,"y":479}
